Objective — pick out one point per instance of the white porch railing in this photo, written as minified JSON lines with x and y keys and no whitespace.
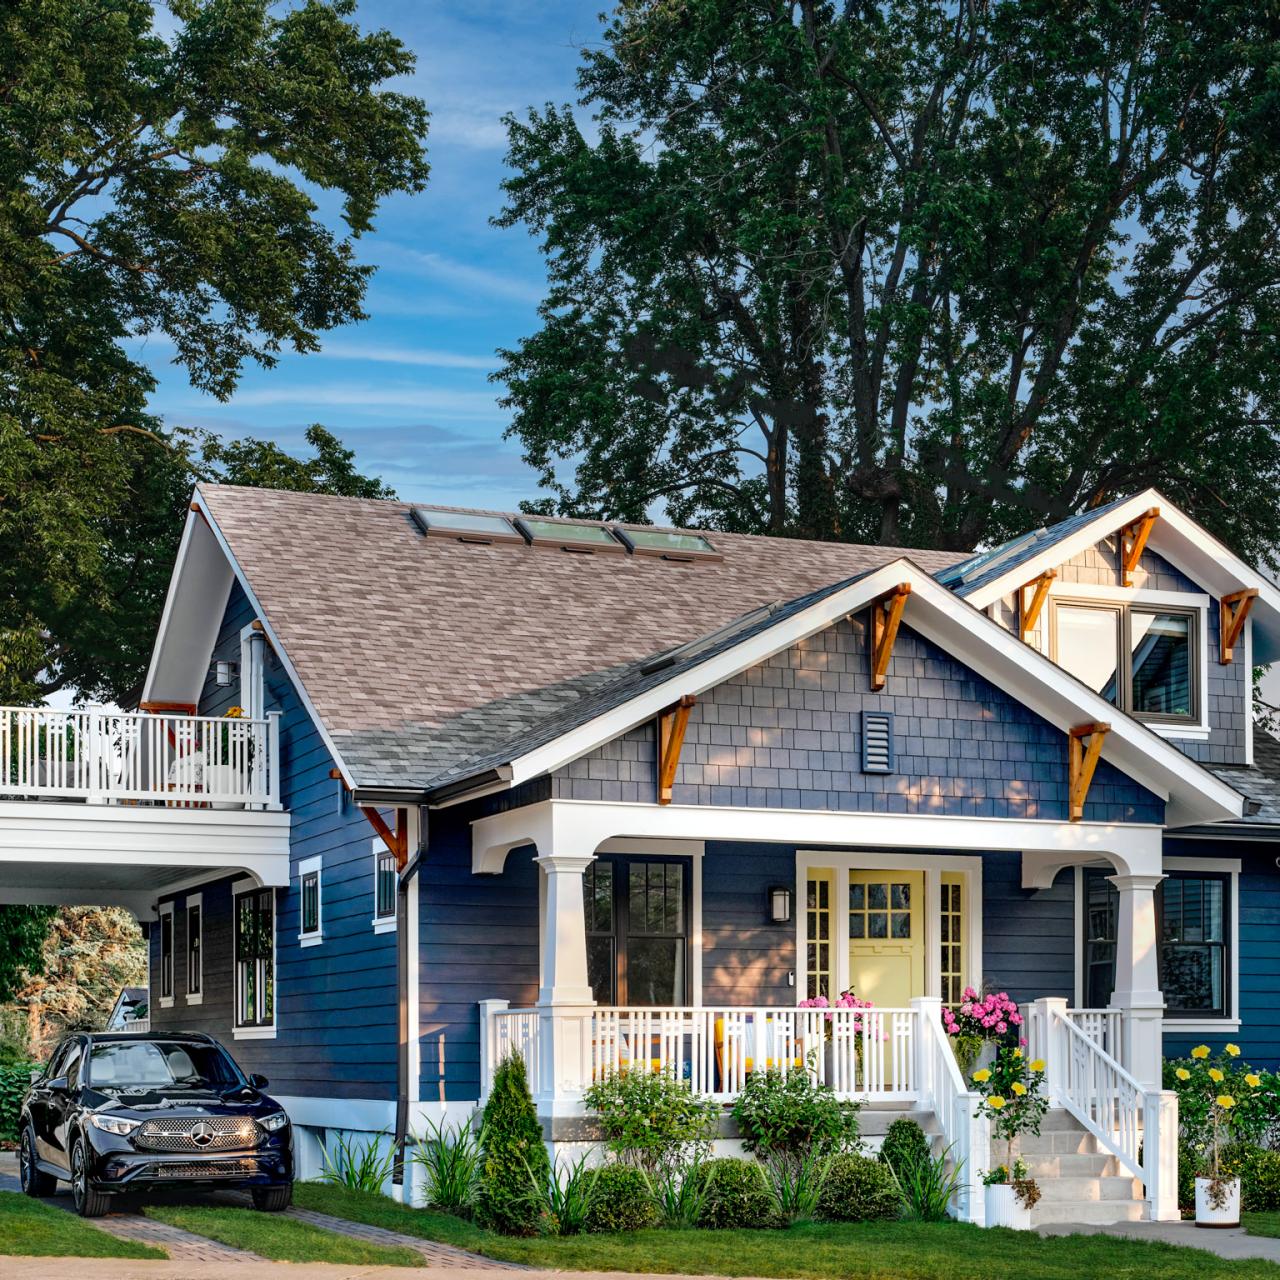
{"x":106,"y":757}
{"x":1104,"y":1027}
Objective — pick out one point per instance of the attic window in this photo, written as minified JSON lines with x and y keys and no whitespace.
{"x":568,"y":535}
{"x":465,"y":526}
{"x":667,"y":544}
{"x":877,"y":742}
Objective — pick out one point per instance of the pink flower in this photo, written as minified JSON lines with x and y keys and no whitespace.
{"x":1002,"y":1027}
{"x":1016,"y":1019}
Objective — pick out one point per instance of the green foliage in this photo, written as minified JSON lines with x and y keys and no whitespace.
{"x":159,"y":178}
{"x":925,"y":1183}
{"x":1259,"y":1172}
{"x":23,"y":931}
{"x":736,"y":1195}
{"x":904,"y":1144}
{"x":450,"y":1161}
{"x":514,"y":1156}
{"x":680,"y":1195}
{"x":907,"y":273}
{"x":789,"y":1115}
{"x":622,"y":1200}
{"x":1255,"y":1101}
{"x":1188,"y":1165}
{"x":569,"y":1193}
{"x":651,"y":1119}
{"x":858,"y":1189}
{"x":358,"y":1165}
{"x":15,"y":1080}
{"x":1013,"y":1095}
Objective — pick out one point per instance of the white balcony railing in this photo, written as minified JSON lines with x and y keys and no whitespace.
{"x":107,"y":757}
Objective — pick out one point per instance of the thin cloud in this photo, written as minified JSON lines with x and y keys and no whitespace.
{"x":458,"y":404}
{"x":464,"y":276}
{"x":425,"y":357}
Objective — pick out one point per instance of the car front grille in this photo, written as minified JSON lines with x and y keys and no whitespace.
{"x":205,"y":1169}
{"x":212,"y":1133}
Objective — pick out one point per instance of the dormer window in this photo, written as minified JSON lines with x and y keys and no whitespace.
{"x":1142,"y":658}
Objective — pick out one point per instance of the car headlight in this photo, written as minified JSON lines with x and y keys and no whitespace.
{"x":276,"y":1120}
{"x":119,"y":1125}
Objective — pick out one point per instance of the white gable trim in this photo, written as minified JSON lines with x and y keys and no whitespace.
{"x":1192,"y":793}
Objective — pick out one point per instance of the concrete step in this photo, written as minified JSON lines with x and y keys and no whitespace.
{"x":874,"y":1122}
{"x":1087,"y":1190}
{"x":1071,"y":1165}
{"x":1057,"y":1119}
{"x":1052,"y":1142}
{"x":1088,"y":1213}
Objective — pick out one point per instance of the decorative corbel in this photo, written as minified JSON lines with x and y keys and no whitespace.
{"x":1082,"y":761}
{"x":1133,"y":541}
{"x":886,"y":615}
{"x":672,"y":724}
{"x":397,"y":841}
{"x":1029,"y":613}
{"x":1233,"y":613}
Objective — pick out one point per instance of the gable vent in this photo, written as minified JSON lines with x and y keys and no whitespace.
{"x":877,"y":742}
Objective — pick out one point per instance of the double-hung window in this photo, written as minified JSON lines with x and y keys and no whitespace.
{"x":166,"y":955}
{"x":1142,"y":658}
{"x":385,"y":877}
{"x":310,"y":923}
{"x":255,"y":945}
{"x":195,"y":953}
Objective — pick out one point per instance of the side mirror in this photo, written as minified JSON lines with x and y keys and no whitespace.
{"x":258,"y":1081}
{"x":58,"y":1084}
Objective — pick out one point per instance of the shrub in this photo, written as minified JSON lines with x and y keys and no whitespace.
{"x":791,"y":1116}
{"x":1188,"y":1163}
{"x":652,"y":1120}
{"x":15,"y":1080}
{"x":796,"y":1181}
{"x":450,"y":1162}
{"x":569,"y":1195}
{"x":926,"y":1185}
{"x":359,"y":1166}
{"x":858,"y":1189}
{"x":1200,"y":1080}
{"x":680,"y":1195}
{"x":622,"y":1200}
{"x":735,"y":1195}
{"x":1260,"y":1181}
{"x":904,"y":1144}
{"x":513,"y":1156}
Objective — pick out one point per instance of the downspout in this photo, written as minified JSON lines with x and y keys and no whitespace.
{"x":403,"y":943}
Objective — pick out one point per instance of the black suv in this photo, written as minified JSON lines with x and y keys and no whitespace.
{"x":116,"y":1113}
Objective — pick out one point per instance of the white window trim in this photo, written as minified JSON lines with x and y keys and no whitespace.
{"x":268,"y":1032}
{"x":166,"y":909}
{"x":1065,"y":592}
{"x":1222,"y":866}
{"x":193,"y":900}
{"x":311,"y":866}
{"x":933,"y":865}
{"x":381,"y":924}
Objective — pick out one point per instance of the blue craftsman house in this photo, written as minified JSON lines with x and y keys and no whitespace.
{"x":410,"y":789}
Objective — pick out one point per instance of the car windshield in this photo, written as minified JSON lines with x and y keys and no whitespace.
{"x":160,"y":1064}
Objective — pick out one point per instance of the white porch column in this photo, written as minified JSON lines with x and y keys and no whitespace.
{"x":1137,"y":991}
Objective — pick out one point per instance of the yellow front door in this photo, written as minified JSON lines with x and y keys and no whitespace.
{"x":886,"y":936}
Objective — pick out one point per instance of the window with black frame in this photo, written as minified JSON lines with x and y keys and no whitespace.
{"x":1193,"y":927}
{"x":384,"y":885}
{"x":166,"y":953}
{"x":195,"y":965}
{"x":255,"y":958}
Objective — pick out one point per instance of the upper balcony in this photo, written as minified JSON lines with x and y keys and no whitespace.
{"x":109,"y":757}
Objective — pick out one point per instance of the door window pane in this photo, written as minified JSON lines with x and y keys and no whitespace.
{"x":655,"y":970}
{"x":818,"y":936}
{"x":1088,"y":645}
{"x":1161,"y":663}
{"x":255,"y":958}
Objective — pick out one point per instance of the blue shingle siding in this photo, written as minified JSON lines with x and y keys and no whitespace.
{"x":1028,"y":937}
{"x":787,"y":733}
{"x":336,"y":1002}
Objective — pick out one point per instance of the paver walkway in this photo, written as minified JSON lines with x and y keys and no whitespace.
{"x":1234,"y":1243}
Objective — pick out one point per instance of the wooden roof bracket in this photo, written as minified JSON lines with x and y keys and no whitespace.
{"x":1233,"y":613}
{"x":1082,"y":761}
{"x":672,"y":724}
{"x":1029,"y":613}
{"x":886,"y":614}
{"x":397,"y":841}
{"x":1133,"y":541}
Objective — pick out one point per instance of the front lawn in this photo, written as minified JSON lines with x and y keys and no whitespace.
{"x":282,"y":1239}
{"x":1262,"y":1224}
{"x":34,"y":1229}
{"x":870,"y":1251}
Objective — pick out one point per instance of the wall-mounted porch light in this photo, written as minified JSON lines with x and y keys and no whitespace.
{"x":779,"y":904}
{"x":223,"y":672}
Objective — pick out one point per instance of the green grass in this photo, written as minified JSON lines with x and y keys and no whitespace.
{"x":869,"y":1251}
{"x":271,"y":1235}
{"x":34,"y":1229}
{"x":1262,"y":1224}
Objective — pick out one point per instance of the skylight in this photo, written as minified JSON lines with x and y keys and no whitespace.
{"x":668,"y":544}
{"x":567,"y":535}
{"x":465,"y":526}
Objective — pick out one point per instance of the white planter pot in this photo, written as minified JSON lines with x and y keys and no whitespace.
{"x":223,"y":779}
{"x":1004,"y":1209}
{"x":1226,"y":1216}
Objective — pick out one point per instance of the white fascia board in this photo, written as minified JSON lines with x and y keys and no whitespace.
{"x":303,"y":696}
{"x":962,"y":631}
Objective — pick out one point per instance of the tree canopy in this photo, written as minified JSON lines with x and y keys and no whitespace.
{"x":914,"y":272}
{"x":164,"y":183}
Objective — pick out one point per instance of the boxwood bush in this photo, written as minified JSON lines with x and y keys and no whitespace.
{"x":858,"y":1189}
{"x":734,"y":1194}
{"x":15,"y":1080}
{"x":904,"y":1146}
{"x":621,"y":1200}
{"x":1260,"y":1181}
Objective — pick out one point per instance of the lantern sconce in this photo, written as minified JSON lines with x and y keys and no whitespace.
{"x":223,"y":673}
{"x":779,"y":904}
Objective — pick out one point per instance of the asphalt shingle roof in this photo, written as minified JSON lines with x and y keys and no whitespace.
{"x":425,"y":656}
{"x":1259,"y":781}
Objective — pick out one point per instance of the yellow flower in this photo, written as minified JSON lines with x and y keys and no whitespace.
{"x":1017,"y":1053}
{"x":1225,"y":1101}
{"x":1216,"y":1076}
{"x":1253,"y":1081}
{"x":996,"y":1102}
{"x":1182,"y":1073}
{"x":1037,"y":1065}
{"x":981,"y":1077}
{"x":1233,"y":1050}
{"x":1018,"y":1087}
{"x":1200,"y":1051}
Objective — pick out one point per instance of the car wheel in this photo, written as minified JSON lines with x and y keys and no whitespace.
{"x":272,"y":1199}
{"x":34,"y":1183}
{"x":89,"y":1203}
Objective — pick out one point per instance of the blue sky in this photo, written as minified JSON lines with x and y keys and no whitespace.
{"x":408,"y":388}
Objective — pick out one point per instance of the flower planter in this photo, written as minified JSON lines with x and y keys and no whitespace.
{"x":1226,"y":1212}
{"x":1005,"y":1209}
{"x":225,"y":779}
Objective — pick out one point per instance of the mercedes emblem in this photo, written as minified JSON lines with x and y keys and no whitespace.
{"x":202,"y":1133}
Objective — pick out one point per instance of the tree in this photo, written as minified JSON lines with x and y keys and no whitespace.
{"x":22,"y":937}
{"x":165,"y":185}
{"x":913,"y":272}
